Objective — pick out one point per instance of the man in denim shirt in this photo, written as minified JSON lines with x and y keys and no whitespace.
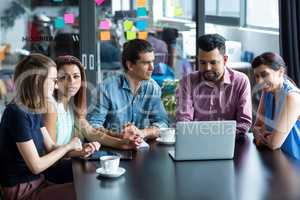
{"x":131,"y":99}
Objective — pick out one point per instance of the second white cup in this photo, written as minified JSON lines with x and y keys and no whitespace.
{"x":167,"y":134}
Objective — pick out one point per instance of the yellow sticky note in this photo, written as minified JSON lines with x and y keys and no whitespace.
{"x":141,"y":3}
{"x":178,"y":11}
{"x":128,"y":25}
{"x":105,"y":35}
{"x":143,"y":35}
{"x":130,"y":35}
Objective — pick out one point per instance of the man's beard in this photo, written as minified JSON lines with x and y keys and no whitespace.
{"x":211,"y":76}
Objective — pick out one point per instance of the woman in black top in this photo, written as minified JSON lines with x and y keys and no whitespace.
{"x":26,"y":148}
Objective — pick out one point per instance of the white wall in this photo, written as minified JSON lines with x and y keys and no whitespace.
{"x":55,"y":11}
{"x":257,"y":41}
{"x":14,"y":35}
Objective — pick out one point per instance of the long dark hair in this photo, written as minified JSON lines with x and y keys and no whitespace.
{"x":80,"y":97}
{"x":272,"y":60}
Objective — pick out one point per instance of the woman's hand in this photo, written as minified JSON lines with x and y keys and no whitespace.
{"x":258,"y":133}
{"x":89,"y":149}
{"x":75,"y":144}
{"x":85,"y":151}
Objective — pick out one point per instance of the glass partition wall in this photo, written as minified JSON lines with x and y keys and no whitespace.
{"x":50,"y":27}
{"x":95,"y":31}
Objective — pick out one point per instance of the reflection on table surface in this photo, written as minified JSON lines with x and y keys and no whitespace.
{"x":152,"y":174}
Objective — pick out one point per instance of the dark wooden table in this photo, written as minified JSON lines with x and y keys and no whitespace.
{"x":253,"y":174}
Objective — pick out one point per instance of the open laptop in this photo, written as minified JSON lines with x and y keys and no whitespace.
{"x":204,"y":140}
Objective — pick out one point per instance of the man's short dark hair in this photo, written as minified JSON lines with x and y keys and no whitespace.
{"x":209,"y":42}
{"x":133,"y":48}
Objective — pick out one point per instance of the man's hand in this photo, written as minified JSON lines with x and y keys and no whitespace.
{"x":132,"y":137}
{"x":131,"y":129}
{"x":132,"y":143}
{"x":102,"y":130}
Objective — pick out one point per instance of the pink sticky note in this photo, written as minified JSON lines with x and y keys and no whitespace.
{"x":69,"y":18}
{"x":104,"y":24}
{"x":99,"y":2}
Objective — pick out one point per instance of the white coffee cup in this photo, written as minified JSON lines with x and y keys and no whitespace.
{"x":110,"y":164}
{"x":167,"y":134}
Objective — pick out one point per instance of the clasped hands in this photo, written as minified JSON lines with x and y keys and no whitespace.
{"x":84,"y":150}
{"x":132,"y":134}
{"x":131,"y":137}
{"x":261,"y":136}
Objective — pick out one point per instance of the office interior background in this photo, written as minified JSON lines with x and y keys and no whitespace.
{"x":95,"y":30}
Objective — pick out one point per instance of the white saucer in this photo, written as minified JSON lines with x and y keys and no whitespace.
{"x":169,"y":142}
{"x":116,"y":174}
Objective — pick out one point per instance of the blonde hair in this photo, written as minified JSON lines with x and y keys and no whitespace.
{"x":29,"y":77}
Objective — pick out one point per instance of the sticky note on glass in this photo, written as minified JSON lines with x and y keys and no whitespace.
{"x":59,"y":23}
{"x":69,"y":18}
{"x":178,"y":11}
{"x":141,"y":25}
{"x":141,"y":3}
{"x":127,"y":25}
{"x":99,"y":2}
{"x":105,"y":35}
{"x":143,"y":35}
{"x":104,"y":24}
{"x":58,"y":0}
{"x":141,"y":12}
{"x":130,"y":35}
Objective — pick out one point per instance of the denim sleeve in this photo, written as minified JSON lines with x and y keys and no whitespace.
{"x":158,"y":116}
{"x":98,"y":114}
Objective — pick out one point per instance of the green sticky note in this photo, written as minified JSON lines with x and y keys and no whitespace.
{"x":58,"y":0}
{"x":59,"y":23}
{"x":128,"y":25}
{"x":130,"y":35}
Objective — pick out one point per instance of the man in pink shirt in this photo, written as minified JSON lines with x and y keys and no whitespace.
{"x":215,"y":92}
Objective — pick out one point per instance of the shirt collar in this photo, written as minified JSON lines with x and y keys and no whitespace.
{"x":227,"y":79}
{"x":125,"y":83}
